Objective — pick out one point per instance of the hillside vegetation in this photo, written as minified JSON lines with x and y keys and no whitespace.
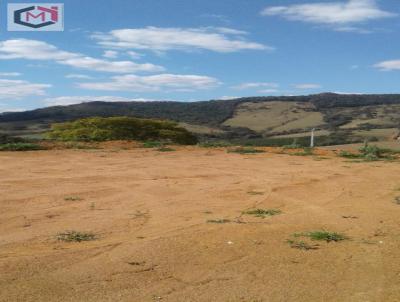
{"x":352,"y":118}
{"x":120,"y":128}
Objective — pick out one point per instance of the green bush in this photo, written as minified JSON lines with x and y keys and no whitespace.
{"x":6,"y":139}
{"x":121,"y":128}
{"x":370,"y":153}
{"x":20,"y":147}
{"x":74,"y":236}
{"x":152,"y":144}
{"x":324,"y":235}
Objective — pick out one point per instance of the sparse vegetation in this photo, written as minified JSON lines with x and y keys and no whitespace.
{"x":301,"y":245}
{"x":293,"y":145}
{"x":81,"y":146}
{"x":262,"y":212}
{"x":323,"y":236}
{"x":121,"y":128}
{"x":397,"y":200}
{"x":72,"y":198}
{"x":152,"y":144}
{"x":245,"y":150}
{"x":216,"y":144}
{"x":255,"y":193}
{"x":218,"y":221}
{"x":165,"y":149}
{"x":306,"y":152}
{"x":74,"y":236}
{"x":337,"y":138}
{"x":370,"y":153}
{"x":20,"y":147}
{"x":350,"y":155}
{"x":6,"y":139}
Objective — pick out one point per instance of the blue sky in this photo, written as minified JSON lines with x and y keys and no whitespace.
{"x":200,"y":50}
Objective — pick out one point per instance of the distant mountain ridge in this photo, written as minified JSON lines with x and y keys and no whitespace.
{"x":267,"y":116}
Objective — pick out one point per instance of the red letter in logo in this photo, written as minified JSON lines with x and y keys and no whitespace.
{"x":53,"y":12}
{"x":29,"y":14}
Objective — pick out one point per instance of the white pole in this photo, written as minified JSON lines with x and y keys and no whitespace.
{"x":312,"y":138}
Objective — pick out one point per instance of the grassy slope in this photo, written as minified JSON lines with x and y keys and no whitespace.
{"x":267,"y":115}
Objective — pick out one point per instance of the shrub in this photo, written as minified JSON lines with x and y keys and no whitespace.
{"x":152,"y":144}
{"x":20,"y":147}
{"x":6,"y":139}
{"x":370,"y":153}
{"x":246,"y":150}
{"x":74,"y":236}
{"x":121,"y":128}
{"x":263,"y":213}
{"x":324,"y":235}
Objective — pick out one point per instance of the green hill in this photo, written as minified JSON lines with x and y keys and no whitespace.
{"x":352,"y":116}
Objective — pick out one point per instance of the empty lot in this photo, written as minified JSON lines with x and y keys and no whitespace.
{"x":152,"y":215}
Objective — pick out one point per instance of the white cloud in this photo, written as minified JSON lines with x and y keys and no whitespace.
{"x":388,"y":65}
{"x":10,"y":74}
{"x":7,"y":108}
{"x":110,"y":66}
{"x":38,"y":50}
{"x":17,"y":89}
{"x":336,"y":14}
{"x":348,"y":93}
{"x":268,"y":91}
{"x":110,"y":54}
{"x":307,"y":86}
{"x":168,"y":82}
{"x":255,"y":85}
{"x":162,"y":39}
{"x":78,"y":76}
{"x":352,"y":29}
{"x":70,"y":100}
{"x":134,"y":55}
{"x":32,"y":50}
{"x":227,"y":97}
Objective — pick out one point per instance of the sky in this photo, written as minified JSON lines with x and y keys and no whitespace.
{"x":192,"y":50}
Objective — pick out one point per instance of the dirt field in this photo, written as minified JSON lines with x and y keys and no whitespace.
{"x":150,"y":213}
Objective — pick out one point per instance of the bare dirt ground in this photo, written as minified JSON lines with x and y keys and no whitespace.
{"x":150,"y":209}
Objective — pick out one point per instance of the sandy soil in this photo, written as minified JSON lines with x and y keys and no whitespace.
{"x":150,"y":211}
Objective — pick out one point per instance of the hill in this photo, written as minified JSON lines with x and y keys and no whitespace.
{"x":352,"y":116}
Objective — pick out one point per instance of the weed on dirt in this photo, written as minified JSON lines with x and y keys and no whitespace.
{"x":323,"y":236}
{"x":262,"y":212}
{"x":74,"y":236}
